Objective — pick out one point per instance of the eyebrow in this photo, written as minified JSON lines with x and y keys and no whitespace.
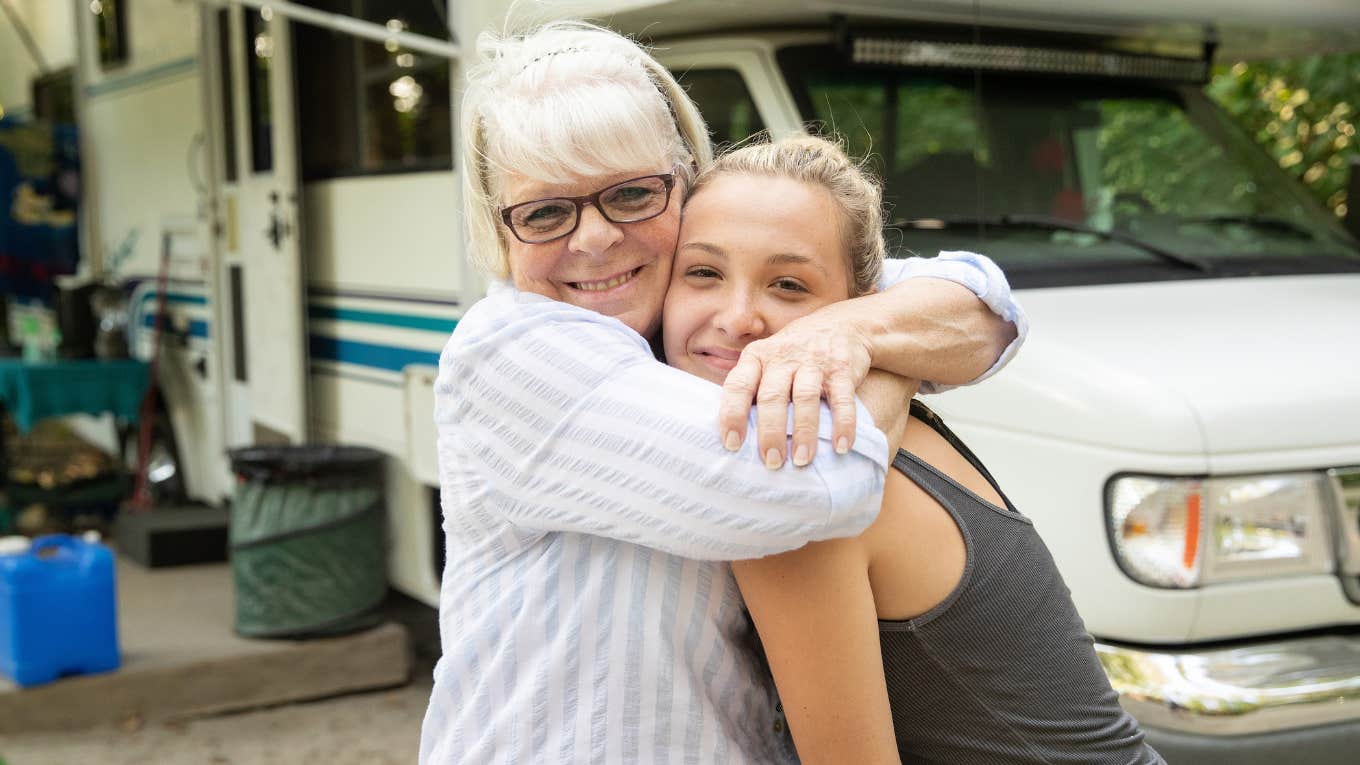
{"x":779,"y":258}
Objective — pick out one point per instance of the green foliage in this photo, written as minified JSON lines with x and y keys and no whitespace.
{"x":1153,"y":158}
{"x":1303,"y":111}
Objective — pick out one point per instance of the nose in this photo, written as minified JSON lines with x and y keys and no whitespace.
{"x":594,"y":233}
{"x":740,"y":319}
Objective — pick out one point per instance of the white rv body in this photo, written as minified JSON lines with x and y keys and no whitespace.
{"x":367,"y":275}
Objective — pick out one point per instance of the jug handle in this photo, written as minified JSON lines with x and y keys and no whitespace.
{"x":51,"y":545}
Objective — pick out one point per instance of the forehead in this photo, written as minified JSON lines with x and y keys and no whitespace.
{"x":760,"y":215}
{"x":522,"y":188}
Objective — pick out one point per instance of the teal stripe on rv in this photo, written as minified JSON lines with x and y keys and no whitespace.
{"x":389,"y":357}
{"x":178,"y":297}
{"x":409,"y":321}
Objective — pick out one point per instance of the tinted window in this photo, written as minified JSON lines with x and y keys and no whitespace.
{"x":110,"y":28}
{"x":259,"y":54}
{"x":368,"y":107}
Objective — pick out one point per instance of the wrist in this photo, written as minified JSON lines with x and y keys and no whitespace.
{"x":869,"y":321}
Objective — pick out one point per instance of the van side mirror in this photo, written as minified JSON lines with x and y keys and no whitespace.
{"x":1352,"y":219}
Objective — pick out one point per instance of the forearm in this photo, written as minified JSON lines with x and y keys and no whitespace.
{"x":931,"y":329}
{"x":887,"y":397}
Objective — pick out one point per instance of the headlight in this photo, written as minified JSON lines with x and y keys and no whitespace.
{"x":1184,"y":532}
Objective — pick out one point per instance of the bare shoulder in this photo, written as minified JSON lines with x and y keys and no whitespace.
{"x":932,"y":448}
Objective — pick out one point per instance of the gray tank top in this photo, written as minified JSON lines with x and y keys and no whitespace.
{"x":1002,"y":670}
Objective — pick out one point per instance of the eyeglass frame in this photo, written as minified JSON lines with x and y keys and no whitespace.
{"x":667,"y":179}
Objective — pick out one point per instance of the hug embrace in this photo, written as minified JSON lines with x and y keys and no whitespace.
{"x":642,"y":567}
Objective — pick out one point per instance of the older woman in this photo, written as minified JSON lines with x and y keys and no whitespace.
{"x":588,"y":488}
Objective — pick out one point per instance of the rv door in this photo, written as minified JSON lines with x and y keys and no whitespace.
{"x":267,"y":288}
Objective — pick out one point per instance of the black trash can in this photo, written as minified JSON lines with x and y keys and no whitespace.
{"x":308,"y":540}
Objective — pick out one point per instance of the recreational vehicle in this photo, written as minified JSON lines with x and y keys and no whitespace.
{"x":1183,"y":424}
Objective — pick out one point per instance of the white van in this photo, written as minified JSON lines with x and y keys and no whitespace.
{"x":1183,"y":424}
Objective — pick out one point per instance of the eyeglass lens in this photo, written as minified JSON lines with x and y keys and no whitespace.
{"x":628,"y":202}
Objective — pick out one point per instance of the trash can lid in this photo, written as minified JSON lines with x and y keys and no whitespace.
{"x":303,"y":460}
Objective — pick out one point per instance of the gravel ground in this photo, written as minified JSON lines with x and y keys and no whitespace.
{"x":378,"y":728}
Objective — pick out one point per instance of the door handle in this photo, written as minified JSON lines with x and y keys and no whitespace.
{"x":278,"y":229}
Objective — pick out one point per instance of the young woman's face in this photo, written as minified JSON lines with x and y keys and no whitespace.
{"x":755,"y":253}
{"x":617,"y":269}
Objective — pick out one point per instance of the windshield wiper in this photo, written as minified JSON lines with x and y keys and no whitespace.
{"x":1263,"y":222}
{"x":1047,"y":223}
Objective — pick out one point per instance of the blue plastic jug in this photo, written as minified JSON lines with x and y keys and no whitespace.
{"x":58,"y":613}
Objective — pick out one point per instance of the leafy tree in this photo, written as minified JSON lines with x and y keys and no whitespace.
{"x":1303,"y":111}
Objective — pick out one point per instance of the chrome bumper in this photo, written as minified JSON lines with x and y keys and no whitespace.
{"x":1258,"y":688}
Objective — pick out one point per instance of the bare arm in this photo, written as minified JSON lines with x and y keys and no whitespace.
{"x":815,"y":614}
{"x":888,"y":398}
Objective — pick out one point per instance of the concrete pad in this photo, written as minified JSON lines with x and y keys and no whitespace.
{"x":181,"y":659}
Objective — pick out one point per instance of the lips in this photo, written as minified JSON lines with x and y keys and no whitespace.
{"x":604,"y":285}
{"x":720,"y":360}
{"x":726,"y":354}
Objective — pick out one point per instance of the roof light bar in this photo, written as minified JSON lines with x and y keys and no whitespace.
{"x":1014,"y":58}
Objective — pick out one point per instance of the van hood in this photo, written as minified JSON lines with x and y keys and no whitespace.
{"x":1211,"y":366}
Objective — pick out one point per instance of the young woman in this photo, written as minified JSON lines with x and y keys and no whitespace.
{"x":943,"y":633}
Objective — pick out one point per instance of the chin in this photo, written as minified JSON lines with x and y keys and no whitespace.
{"x":700,"y":369}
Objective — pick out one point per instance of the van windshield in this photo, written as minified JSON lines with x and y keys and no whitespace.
{"x":1066,"y":181}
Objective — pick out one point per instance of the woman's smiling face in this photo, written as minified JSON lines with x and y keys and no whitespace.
{"x":617,"y":269}
{"x":755,"y":253}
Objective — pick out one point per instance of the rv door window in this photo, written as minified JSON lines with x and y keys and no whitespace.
{"x":110,"y":27}
{"x":973,"y":163}
{"x":259,"y":52}
{"x":367,"y":107}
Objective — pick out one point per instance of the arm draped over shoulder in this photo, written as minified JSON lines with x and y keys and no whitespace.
{"x":560,"y":419}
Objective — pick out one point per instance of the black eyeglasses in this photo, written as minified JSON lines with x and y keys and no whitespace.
{"x":631,"y":201}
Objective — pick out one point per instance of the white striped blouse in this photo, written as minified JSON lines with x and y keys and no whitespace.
{"x":585,"y":614}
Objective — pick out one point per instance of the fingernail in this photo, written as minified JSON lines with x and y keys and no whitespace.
{"x":773,"y":459}
{"x":842,"y":445}
{"x":800,"y":456}
{"x":733,"y":441}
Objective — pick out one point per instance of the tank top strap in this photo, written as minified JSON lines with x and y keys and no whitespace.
{"x":931,"y":479}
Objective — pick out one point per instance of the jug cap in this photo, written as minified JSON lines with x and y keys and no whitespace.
{"x":14,"y":545}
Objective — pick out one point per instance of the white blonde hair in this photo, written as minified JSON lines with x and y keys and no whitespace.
{"x":823,"y":163}
{"x":565,"y":100}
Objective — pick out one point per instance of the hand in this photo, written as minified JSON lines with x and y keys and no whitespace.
{"x":820,"y":355}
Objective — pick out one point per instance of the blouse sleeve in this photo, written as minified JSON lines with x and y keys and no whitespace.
{"x":569,"y":424}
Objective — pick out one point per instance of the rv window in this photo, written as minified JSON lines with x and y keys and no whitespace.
{"x":111,"y":30}
{"x":259,"y":51}
{"x":725,"y":103}
{"x":54,"y":96}
{"x":367,"y":108}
